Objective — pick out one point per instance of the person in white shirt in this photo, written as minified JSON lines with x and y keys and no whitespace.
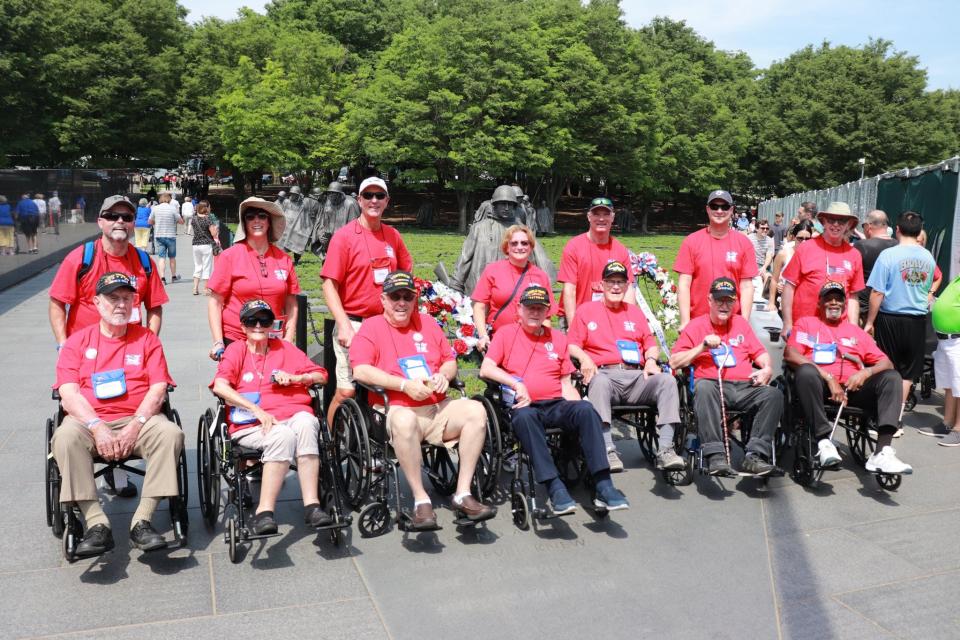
{"x":186,"y":210}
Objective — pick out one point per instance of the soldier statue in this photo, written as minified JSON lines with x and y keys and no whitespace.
{"x":336,"y":210}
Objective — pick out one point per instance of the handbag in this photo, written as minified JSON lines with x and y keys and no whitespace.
{"x":512,"y":294}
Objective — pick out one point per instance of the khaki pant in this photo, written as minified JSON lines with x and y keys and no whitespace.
{"x":289,"y":439}
{"x":433,"y":419}
{"x":159,"y":444}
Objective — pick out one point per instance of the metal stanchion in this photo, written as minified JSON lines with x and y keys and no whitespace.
{"x":302,"y":311}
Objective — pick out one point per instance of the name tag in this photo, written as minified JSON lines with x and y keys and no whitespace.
{"x":240,"y":415}
{"x":824,"y":353}
{"x":415,"y":367}
{"x":508,"y":394}
{"x":109,"y":384}
{"x":597,"y":289}
{"x":276,"y":331}
{"x":723,"y":357}
{"x":381,"y":267}
{"x":629,"y":351}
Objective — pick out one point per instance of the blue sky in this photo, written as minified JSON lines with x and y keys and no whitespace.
{"x":769,"y":30}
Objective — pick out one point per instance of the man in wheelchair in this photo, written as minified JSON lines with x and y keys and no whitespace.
{"x":835,"y":359}
{"x":265,"y":382}
{"x":406,"y":353}
{"x":112,"y":377}
{"x":723,"y":350}
{"x":618,"y":359}
{"x":530,"y":362}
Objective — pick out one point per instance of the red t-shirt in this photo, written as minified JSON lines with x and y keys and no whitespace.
{"x":849,"y":338}
{"x":79,"y":293}
{"x":359,"y":259}
{"x":596,"y":330}
{"x":250,"y":373}
{"x":240,"y":276}
{"x":738,"y":335}
{"x":539,"y":361}
{"x":810,"y":267}
{"x":139,"y":353}
{"x":706,"y":258}
{"x":382,"y":345}
{"x":497,"y":282}
{"x":583,"y":261}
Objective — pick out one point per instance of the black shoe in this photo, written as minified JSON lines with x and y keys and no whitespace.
{"x":145,"y":537}
{"x":97,"y":541}
{"x":755,"y":464}
{"x":163,"y":280}
{"x":129,"y":490}
{"x":717,"y":465}
{"x":263,"y":524}
{"x":315,"y":516}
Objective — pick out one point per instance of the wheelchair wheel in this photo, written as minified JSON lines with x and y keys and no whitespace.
{"x":910,"y":402}
{"x":208,"y":469}
{"x":861,"y":444}
{"x":178,"y":505}
{"x":72,"y":534}
{"x":374,"y":520}
{"x":926,"y":385}
{"x":232,"y":540}
{"x":520,"y":508}
{"x":441,"y":469}
{"x":353,"y":452}
{"x":52,"y":486}
{"x":803,"y":473}
{"x":889,"y":481}
{"x":647,"y":439}
{"x":491,"y":456}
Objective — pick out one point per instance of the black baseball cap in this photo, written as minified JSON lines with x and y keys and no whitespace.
{"x":397,"y":280}
{"x":535,"y":294}
{"x":614,"y":269}
{"x":723,"y":288}
{"x":253,"y":307}
{"x":112,"y":281}
{"x":831,"y":286}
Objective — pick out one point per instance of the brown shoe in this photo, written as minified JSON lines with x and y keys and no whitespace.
{"x":424,"y":519}
{"x":473,"y":509}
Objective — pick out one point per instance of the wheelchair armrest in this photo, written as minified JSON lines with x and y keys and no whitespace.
{"x":55,"y":395}
{"x":458,"y":384}
{"x":171,"y":388}
{"x":372,"y":388}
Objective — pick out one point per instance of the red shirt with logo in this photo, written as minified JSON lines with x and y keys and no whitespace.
{"x":382,"y":345}
{"x":139,"y":353}
{"x":359,"y":259}
{"x":241,"y":275}
{"x":596,"y":329}
{"x":583,"y":261}
{"x":849,"y":338}
{"x":737,"y":335}
{"x":497,"y":282}
{"x":540,"y":361}
{"x":705,"y":258}
{"x":79,"y":293}
{"x":814,"y":263}
{"x":250,"y":373}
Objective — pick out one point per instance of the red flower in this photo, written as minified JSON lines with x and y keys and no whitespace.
{"x":673,"y":288}
{"x":460,"y":347}
{"x":468,"y":330}
{"x":433,"y":308}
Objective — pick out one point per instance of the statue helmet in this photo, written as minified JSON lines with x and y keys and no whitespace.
{"x":282,"y":194}
{"x":316,"y":192}
{"x":294,"y":190}
{"x":335,"y":187}
{"x":504,"y":193}
{"x":517,"y":191}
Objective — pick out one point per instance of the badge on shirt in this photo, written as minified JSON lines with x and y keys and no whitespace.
{"x":90,"y":353}
{"x":248,"y":376}
{"x":848,"y":342}
{"x":133,"y":359}
{"x":731,"y":256}
{"x":388,"y":250}
{"x":592,"y":325}
{"x":629,"y":326}
{"x":737,"y":340}
{"x":804,"y":338}
{"x":548,"y":346}
{"x":281,"y":274}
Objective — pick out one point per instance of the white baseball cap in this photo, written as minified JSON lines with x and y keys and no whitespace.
{"x":373,"y":181}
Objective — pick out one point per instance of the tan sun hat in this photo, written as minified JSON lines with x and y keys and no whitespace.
{"x":277,"y":220}
{"x":839,"y":210}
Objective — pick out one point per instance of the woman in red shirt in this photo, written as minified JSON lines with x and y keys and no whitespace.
{"x":495,"y":296}
{"x":253,"y":268}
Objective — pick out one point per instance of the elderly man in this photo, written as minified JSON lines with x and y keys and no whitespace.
{"x":164,"y":217}
{"x":585,"y":256}
{"x":723,"y":350}
{"x":406,"y":353}
{"x":876,"y":228}
{"x":113,"y":379}
{"x":826,"y":257}
{"x":710,"y":253}
{"x":530,"y":363}
{"x":359,"y":257}
{"x":900,"y":286}
{"x":618,"y":359}
{"x":837,"y":360}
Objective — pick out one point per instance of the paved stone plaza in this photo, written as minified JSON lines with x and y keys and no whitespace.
{"x":711,"y":560}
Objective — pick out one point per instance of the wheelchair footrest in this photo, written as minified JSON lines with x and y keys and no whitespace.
{"x":547,"y":514}
{"x":343,"y":524}
{"x":405,"y":523}
{"x":247,"y":535}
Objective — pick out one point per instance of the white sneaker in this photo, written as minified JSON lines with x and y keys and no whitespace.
{"x":886,"y":461}
{"x":898,"y":433}
{"x":829,"y":456}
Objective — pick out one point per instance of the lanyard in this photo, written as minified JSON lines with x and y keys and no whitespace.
{"x":263,"y":364}
{"x":96,"y":357}
{"x":536,"y":341}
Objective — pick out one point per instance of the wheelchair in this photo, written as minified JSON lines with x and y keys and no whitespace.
{"x":369,"y":472}
{"x":220,"y":462}
{"x":66,"y":522}
{"x":856,"y":423}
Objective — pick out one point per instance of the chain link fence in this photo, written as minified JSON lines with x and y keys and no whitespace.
{"x":861,"y":195}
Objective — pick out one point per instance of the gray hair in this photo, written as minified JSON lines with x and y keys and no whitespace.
{"x":877,"y":218}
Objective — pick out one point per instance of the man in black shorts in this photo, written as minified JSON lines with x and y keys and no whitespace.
{"x":877,"y":229}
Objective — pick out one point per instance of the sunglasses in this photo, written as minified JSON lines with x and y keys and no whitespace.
{"x":373,"y":195}
{"x":834,"y":221}
{"x":519,"y":243}
{"x":397,"y":297}
{"x":801,"y":238}
{"x":720,"y":207}
{"x":253,"y":321}
{"x":601,"y":202}
{"x":113,"y":216}
{"x":256,"y":215}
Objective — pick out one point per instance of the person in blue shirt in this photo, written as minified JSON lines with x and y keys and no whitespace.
{"x":7,"y":230}
{"x":900,"y":283}
{"x":141,"y":227}
{"x":28,"y":215}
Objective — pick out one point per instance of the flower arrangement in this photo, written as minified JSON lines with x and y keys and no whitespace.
{"x":646,"y":265}
{"x":453,"y":311}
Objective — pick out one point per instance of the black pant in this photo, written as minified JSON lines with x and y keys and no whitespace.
{"x":765,"y":402}
{"x":529,"y":423}
{"x":881,"y":393}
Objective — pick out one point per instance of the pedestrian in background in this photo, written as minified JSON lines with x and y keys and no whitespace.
{"x":7,"y":229}
{"x":164,"y":217}
{"x":206,"y":242}
{"x":141,"y":228}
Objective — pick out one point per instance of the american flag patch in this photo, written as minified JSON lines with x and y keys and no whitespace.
{"x":804,"y":338}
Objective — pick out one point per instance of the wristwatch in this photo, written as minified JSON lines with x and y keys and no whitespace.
{"x":141,"y":419}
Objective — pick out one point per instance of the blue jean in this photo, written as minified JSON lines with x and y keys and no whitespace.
{"x":166,"y":247}
{"x":529,"y":423}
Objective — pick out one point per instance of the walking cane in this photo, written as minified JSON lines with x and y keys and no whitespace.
{"x":855,"y":360}
{"x":723,"y":409}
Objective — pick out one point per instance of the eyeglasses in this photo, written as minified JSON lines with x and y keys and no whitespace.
{"x":519,"y":243}
{"x":113,"y":216}
{"x":801,"y":238}
{"x":373,"y":195}
{"x":720,"y":207}
{"x":724,"y":302}
{"x":615,"y":283}
{"x":256,"y":215}
{"x":397,"y":297}
{"x":253,"y":321}
{"x":601,"y":202}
